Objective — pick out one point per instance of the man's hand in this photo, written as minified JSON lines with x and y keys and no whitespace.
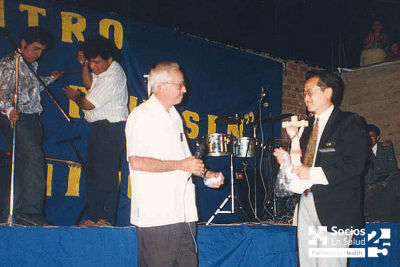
{"x":56,"y":74}
{"x":217,"y":179}
{"x":14,"y":116}
{"x":82,"y":60}
{"x":87,"y":78}
{"x":80,"y":57}
{"x":387,"y":143}
{"x":280,"y":154}
{"x":72,"y":94}
{"x":78,"y":98}
{"x":193,"y":165}
{"x":303,"y":172}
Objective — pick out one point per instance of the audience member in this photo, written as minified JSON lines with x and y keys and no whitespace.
{"x":382,"y":183}
{"x":376,"y":39}
{"x":375,"y":45}
{"x":394,"y":53}
{"x":382,"y":160}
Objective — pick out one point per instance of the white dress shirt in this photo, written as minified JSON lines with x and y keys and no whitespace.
{"x":375,"y":149}
{"x":159,"y":198}
{"x":109,"y":95}
{"x":317,"y":175}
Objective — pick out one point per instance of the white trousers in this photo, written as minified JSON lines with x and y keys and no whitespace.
{"x":307,"y":239}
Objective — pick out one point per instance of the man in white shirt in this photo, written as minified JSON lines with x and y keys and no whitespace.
{"x":163,"y":205}
{"x":106,"y":110}
{"x":334,"y":148}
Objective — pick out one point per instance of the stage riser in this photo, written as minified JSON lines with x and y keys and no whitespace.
{"x":219,"y":246}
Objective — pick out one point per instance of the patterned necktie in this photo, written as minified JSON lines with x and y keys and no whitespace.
{"x":310,"y":152}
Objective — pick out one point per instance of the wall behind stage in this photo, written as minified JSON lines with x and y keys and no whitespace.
{"x":222,"y":82}
{"x":373,"y":92}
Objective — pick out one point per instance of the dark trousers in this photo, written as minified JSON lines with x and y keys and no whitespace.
{"x":105,"y":146}
{"x":168,"y":246}
{"x":30,"y":169}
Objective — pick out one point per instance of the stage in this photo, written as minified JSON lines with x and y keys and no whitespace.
{"x":244,"y":245}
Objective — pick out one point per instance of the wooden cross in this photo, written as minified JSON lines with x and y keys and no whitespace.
{"x":295,"y":129}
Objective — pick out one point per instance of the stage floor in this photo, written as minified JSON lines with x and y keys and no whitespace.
{"x":244,"y":245}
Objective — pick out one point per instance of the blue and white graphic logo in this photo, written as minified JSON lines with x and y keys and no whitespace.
{"x":354,"y":243}
{"x":317,"y":235}
{"x":378,"y":241}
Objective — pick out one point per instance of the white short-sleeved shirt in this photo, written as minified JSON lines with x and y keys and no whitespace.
{"x":165,"y":197}
{"x":109,"y":95}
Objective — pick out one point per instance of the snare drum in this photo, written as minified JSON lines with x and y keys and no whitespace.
{"x":246,"y":147}
{"x":218,"y":144}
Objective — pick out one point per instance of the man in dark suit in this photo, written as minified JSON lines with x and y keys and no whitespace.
{"x":334,"y":148}
{"x":382,"y":182}
{"x":382,"y":161}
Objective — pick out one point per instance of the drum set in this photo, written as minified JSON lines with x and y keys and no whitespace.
{"x":221,"y":145}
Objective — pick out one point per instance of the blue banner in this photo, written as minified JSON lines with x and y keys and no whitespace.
{"x":223,"y":82}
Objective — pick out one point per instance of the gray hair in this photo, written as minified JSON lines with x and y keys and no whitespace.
{"x":160,"y":74}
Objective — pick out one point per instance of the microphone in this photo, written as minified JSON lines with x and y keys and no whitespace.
{"x":266,"y":103}
{"x":262,"y":92}
{"x":201,"y":148}
{"x":264,"y":95}
{"x":197,"y":155}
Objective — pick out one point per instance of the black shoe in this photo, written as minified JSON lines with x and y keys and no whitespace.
{"x":27,"y":219}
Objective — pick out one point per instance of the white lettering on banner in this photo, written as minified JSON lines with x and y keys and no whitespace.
{"x":336,"y":253}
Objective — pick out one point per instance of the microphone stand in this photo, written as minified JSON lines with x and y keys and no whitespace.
{"x":232,"y":196}
{"x":10,"y":219}
{"x":255,"y":159}
{"x":70,"y":141}
{"x":273,"y":172}
{"x":256,"y":122}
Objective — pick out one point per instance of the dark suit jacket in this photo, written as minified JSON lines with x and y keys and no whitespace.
{"x":385,"y":161}
{"x":379,"y":167}
{"x":342,"y":153}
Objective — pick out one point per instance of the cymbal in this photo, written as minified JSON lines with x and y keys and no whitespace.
{"x":228,"y":120}
{"x":276,"y":118}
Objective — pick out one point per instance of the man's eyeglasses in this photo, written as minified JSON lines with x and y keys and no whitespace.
{"x":311,"y":92}
{"x":179,"y":85}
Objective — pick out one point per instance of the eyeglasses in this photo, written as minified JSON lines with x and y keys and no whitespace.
{"x":180,"y":85}
{"x":311,"y":92}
